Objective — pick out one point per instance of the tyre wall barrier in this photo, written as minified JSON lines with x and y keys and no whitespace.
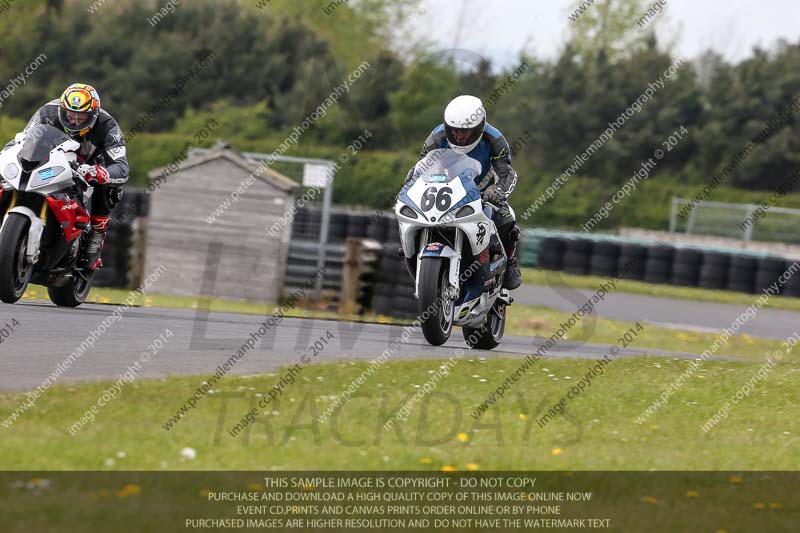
{"x":664,"y":263}
{"x":577,"y":256}
{"x":117,"y":254}
{"x":605,"y":258}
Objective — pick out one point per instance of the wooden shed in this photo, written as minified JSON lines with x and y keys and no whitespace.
{"x":210,"y":242}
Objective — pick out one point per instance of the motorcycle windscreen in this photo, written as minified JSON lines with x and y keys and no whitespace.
{"x":39,"y":141}
{"x":444,"y":165}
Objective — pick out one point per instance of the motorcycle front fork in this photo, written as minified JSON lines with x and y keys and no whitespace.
{"x":454,"y":264}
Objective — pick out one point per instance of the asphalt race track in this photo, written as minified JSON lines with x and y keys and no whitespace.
{"x":665,"y":312}
{"x":46,"y":335}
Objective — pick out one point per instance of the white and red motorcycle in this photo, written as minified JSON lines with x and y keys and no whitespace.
{"x":43,"y":199}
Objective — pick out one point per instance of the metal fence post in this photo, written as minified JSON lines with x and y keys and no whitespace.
{"x":323,"y":234}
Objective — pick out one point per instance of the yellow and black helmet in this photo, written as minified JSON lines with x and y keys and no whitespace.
{"x":79,"y":109}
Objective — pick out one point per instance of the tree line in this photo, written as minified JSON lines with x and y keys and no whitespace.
{"x":274,"y":63}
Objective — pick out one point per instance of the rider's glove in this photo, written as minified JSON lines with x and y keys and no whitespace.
{"x":494,"y":194}
{"x":94,"y":175}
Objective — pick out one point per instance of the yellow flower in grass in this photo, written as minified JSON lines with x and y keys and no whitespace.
{"x":130,"y":489}
{"x":775,"y":505}
{"x":104,"y":300}
{"x":523,"y":416}
{"x":556,"y":451}
{"x":734,"y":479}
{"x":425,"y":460}
{"x":447,"y":468}
{"x":649,"y":499}
{"x":255,"y":487}
{"x":759,"y":505}
{"x":683,"y":336}
{"x":692,"y":494}
{"x":472,"y":466}
{"x":463,"y":437}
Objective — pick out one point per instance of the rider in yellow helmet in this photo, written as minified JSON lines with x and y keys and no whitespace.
{"x":78,"y":113}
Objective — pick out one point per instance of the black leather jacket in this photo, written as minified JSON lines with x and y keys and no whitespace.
{"x":103,"y":145}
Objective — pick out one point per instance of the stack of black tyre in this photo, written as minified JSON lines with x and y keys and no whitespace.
{"x":660,"y":263}
{"x":769,"y":269}
{"x":792,"y":286}
{"x":605,"y":258}
{"x":578,"y":256}
{"x":393,"y":293}
{"x":118,"y":247}
{"x":551,"y":253}
{"x":686,"y":264}
{"x":714,"y":269}
{"x":632,"y":261}
{"x":307,"y":225}
{"x":742,"y":273}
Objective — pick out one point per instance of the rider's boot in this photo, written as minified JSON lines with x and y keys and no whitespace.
{"x":94,"y":244}
{"x":513,"y":275}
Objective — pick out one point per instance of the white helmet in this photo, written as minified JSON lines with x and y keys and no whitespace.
{"x":464,"y":120}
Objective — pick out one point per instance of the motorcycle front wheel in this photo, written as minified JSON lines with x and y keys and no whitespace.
{"x":15,"y":269}
{"x":435,"y":312}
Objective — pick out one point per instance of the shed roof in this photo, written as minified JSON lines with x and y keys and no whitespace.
{"x":266,"y":174}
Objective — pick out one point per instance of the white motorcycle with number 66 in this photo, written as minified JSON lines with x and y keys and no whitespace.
{"x":453,"y":251}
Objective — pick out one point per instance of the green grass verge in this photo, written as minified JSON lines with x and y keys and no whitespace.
{"x":104,"y":295}
{"x":546,"y":277}
{"x":543,"y":322}
{"x":600,"y":431}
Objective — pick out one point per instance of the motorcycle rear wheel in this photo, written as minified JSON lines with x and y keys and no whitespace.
{"x":73,"y":293}
{"x":15,"y":270}
{"x":435,"y":313}
{"x":488,"y":336}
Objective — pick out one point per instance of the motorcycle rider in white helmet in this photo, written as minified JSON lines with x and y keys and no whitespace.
{"x":465,"y":130}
